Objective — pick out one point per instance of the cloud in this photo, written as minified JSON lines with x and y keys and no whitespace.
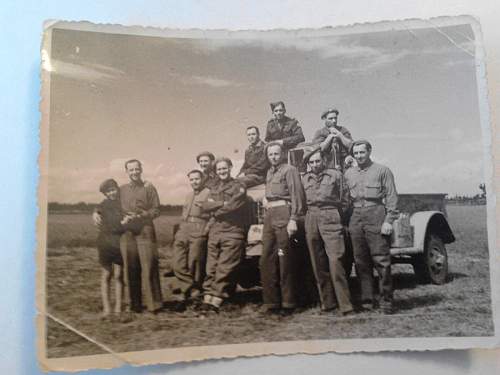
{"x":79,"y":71}
{"x":210,"y":81}
{"x":400,"y":136}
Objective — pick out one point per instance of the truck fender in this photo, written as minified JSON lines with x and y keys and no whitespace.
{"x":424,"y":222}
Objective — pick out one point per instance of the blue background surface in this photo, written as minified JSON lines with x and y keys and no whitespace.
{"x":19,"y":120}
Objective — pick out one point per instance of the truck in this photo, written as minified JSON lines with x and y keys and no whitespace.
{"x":419,"y":238}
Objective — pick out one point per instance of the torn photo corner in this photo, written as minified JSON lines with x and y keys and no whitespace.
{"x":168,"y":230}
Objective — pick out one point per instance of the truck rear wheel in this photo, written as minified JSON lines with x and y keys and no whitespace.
{"x":432,"y":265}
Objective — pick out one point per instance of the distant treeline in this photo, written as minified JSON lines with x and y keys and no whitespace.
{"x":467,"y":200}
{"x":82,"y":207}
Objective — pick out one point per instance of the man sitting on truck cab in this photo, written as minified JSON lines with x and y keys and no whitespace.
{"x":254,"y":169}
{"x":283,"y":129}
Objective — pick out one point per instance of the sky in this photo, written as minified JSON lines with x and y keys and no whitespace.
{"x":412,"y":93}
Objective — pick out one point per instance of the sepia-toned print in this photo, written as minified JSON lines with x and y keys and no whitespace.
{"x":214,"y":194}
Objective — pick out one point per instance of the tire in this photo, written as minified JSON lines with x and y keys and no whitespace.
{"x":432,"y":265}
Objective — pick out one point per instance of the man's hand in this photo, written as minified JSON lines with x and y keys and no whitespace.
{"x":334,"y":132}
{"x":97,"y":219}
{"x":348,"y":162}
{"x":264,"y":202}
{"x":386,"y":229}
{"x":291,"y":228}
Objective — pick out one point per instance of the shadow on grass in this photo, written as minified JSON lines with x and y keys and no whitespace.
{"x":418,"y":301}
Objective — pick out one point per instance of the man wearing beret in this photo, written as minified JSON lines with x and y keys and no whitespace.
{"x":375,"y":200}
{"x":326,"y":199}
{"x":206,"y":160}
{"x":284,"y":203}
{"x":333,"y":139}
{"x":283,"y":129}
{"x":254,"y":169}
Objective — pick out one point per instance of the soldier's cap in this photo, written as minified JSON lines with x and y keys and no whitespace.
{"x":310,"y":152}
{"x":360,"y":142}
{"x":107,"y":184}
{"x":328,"y":111}
{"x":275,"y":104}
{"x":205,"y":153}
{"x":195,"y":171}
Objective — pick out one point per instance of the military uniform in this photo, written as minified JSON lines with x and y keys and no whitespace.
{"x":138,"y":246}
{"x":375,"y":201}
{"x":326,"y":197}
{"x":226,"y":239}
{"x":255,"y":166}
{"x":210,"y":180}
{"x":286,"y":201}
{"x":189,"y":255}
{"x":338,"y":147}
{"x":287,"y":129}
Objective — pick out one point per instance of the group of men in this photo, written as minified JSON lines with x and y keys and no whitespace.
{"x":332,"y":195}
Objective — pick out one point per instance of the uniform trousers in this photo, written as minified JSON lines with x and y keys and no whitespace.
{"x":371,"y":249}
{"x":225,"y":251}
{"x":189,"y":256}
{"x":325,"y":241}
{"x":140,"y":264}
{"x":277,"y":262}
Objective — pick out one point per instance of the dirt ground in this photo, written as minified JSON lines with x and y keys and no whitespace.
{"x":461,"y":307}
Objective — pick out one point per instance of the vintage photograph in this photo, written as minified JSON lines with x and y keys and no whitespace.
{"x":292,"y":191}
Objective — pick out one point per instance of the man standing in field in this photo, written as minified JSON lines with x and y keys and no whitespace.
{"x":284,"y":203}
{"x":206,"y":160}
{"x":189,"y":251}
{"x":254,"y":169}
{"x":334,"y":140}
{"x":226,"y":238}
{"x":375,"y":200}
{"x":140,"y":204}
{"x":326,"y":199}
{"x":283,"y":129}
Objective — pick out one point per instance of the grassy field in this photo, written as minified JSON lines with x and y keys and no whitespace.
{"x":461,"y":307}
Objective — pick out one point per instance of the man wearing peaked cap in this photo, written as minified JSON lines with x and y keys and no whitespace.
{"x":333,"y":139}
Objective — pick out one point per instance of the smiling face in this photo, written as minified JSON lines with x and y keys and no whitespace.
{"x":316,"y":163}
{"x":112,"y":193}
{"x":361,"y":154}
{"x":331,"y":119}
{"x":274,"y":154}
{"x":223,"y":170}
{"x":196,"y":180}
{"x":205,"y":163}
{"x":279,"y":112}
{"x":134,"y":171}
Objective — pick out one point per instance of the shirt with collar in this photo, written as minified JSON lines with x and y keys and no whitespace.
{"x":283,"y":183}
{"x":343,"y":151}
{"x":326,"y":189}
{"x":255,"y":160}
{"x":374,"y":182}
{"x":141,"y":199}
{"x":193,"y":202}
{"x":287,"y":129}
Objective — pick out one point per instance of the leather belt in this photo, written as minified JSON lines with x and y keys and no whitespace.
{"x":194,"y":219}
{"x":322,"y":207}
{"x":366,"y":203}
{"x":277,"y":203}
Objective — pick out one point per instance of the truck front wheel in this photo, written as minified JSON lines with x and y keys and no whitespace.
{"x":432,"y":265}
